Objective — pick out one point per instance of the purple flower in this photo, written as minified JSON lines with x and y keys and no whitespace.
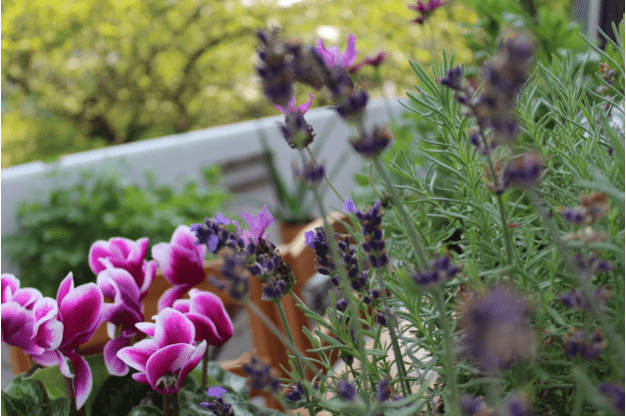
{"x":615,"y":393}
{"x":301,"y":109}
{"x":311,"y":174}
{"x":574,"y":215}
{"x":296,"y":394}
{"x":453,"y":78}
{"x":495,"y":329}
{"x":371,"y":227}
{"x":215,"y":236}
{"x":474,"y":406}
{"x":516,"y":404}
{"x":125,"y":311}
{"x":424,"y":9}
{"x":208,"y":315}
{"x":182,"y":264}
{"x":440,"y":270}
{"x":348,"y":206}
{"x":218,"y":406}
{"x":372,"y":144}
{"x":352,"y":106}
{"x":258,"y":225}
{"x":334,"y":58}
{"x":383,"y":390}
{"x":576,"y":343}
{"x":17,"y":315}
{"x":275,"y":71}
{"x":261,"y":376}
{"x":524,"y":171}
{"x":62,"y":325}
{"x":123,"y":253}
{"x":346,"y":390}
{"x":164,"y":360}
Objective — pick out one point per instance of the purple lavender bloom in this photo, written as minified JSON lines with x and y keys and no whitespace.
{"x":346,"y":390}
{"x":474,"y":406}
{"x":424,"y":9}
{"x":615,"y":393}
{"x":453,"y":78}
{"x":261,"y":376}
{"x":218,"y":406}
{"x":516,"y":404}
{"x":296,"y":131}
{"x":524,"y":171}
{"x":334,"y":58}
{"x":440,"y":270}
{"x":319,"y":243}
{"x":275,"y":71}
{"x":297,"y":393}
{"x":381,"y":319}
{"x":374,"y":143}
{"x":574,"y":215}
{"x":311,"y":174}
{"x":495,"y":329}
{"x":351,"y":108}
{"x":383,"y":390}
{"x":576,"y":299}
{"x":577,"y":344}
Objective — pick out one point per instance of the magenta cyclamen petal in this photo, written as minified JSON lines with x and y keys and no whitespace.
{"x":66,"y":286}
{"x":17,"y":327}
{"x":83,"y":381}
{"x":137,"y":356}
{"x":184,"y":237}
{"x":171,"y":295}
{"x":115,"y":365}
{"x":149,"y":269}
{"x":173,"y":327}
{"x":27,"y":297}
{"x":179,"y":265}
{"x":182,"y":305}
{"x":146,"y":327}
{"x":10,"y":284}
{"x":47,"y":330}
{"x":141,"y":377}
{"x":124,"y":285}
{"x":210,"y":305}
{"x":81,"y":312}
{"x":169,"y":359}
{"x":205,"y":329}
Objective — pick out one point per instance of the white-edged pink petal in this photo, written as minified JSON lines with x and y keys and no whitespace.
{"x":146,"y":327}
{"x":81,"y":313}
{"x":115,"y":365}
{"x":47,"y":330}
{"x":83,"y":381}
{"x":141,"y":377}
{"x":182,"y":305}
{"x":179,"y":265}
{"x":171,"y":295}
{"x":137,"y":355}
{"x":27,"y":296}
{"x":17,"y":327}
{"x":173,"y":327}
{"x":10,"y":284}
{"x":66,"y":286}
{"x":210,"y":305}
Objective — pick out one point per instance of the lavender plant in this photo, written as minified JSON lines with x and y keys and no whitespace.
{"x":488,"y":281}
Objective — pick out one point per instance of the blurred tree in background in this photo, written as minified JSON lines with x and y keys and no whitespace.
{"x":79,"y":75}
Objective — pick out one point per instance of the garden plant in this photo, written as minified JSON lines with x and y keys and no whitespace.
{"x":488,"y":248}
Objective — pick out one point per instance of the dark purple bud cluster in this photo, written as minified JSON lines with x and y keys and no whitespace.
{"x":576,"y":343}
{"x":346,"y":390}
{"x":218,"y":406}
{"x":370,"y":145}
{"x":576,"y":299}
{"x":523,"y":171}
{"x":318,"y":241}
{"x":296,"y":131}
{"x":371,"y":227}
{"x":496,"y":332}
{"x":276,"y":275}
{"x":453,"y":78}
{"x":296,"y":393}
{"x":574,"y":215}
{"x":236,"y":275}
{"x":591,"y":265}
{"x":425,"y":9}
{"x":383,"y":390}
{"x":516,"y":404}
{"x":261,"y":376}
{"x":440,"y":270}
{"x":214,"y":234}
{"x":352,"y":107}
{"x":275,"y":68}
{"x":615,"y":393}
{"x":311,"y":174}
{"x":381,"y":319}
{"x":475,"y":406}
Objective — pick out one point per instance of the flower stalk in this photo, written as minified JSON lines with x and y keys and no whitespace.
{"x":452,"y":380}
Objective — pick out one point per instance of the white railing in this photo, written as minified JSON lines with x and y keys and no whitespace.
{"x":178,"y":158}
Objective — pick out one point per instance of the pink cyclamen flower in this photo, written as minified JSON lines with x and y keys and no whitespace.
{"x":125,"y":311}
{"x":208,"y":315}
{"x":123,"y":253}
{"x":258,"y":225}
{"x":334,"y":58}
{"x":182,"y":264}
{"x":302,"y":108}
{"x":62,"y":325}
{"x":166,"y":359}
{"x":17,"y":316}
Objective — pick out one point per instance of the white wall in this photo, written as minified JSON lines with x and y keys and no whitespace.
{"x":177,"y":158}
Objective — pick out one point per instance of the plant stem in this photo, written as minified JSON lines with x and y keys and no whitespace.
{"x":175,"y":404}
{"x":272,"y":327}
{"x":205,"y":365}
{"x":325,"y":177}
{"x":301,"y":373}
{"x":406,"y":388}
{"x":166,"y":404}
{"x":616,"y":343}
{"x":449,"y":353}
{"x":417,"y":245}
{"x":69,"y":387}
{"x":354,"y":312}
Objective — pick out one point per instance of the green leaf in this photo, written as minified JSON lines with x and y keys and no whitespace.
{"x":190,"y":404}
{"x":23,"y":397}
{"x":60,"y":407}
{"x":145,"y":410}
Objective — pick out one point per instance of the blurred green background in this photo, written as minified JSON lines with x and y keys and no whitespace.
{"x":81,"y":75}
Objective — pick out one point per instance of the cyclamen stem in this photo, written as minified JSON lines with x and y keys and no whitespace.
{"x":326,"y":177}
{"x":175,"y":404}
{"x":345,"y":287}
{"x":166,"y":404}
{"x":301,"y":372}
{"x":205,"y":364}
{"x":449,"y":354}
{"x":406,"y":388}
{"x":415,"y":241}
{"x":617,"y":344}
{"x":70,"y":393}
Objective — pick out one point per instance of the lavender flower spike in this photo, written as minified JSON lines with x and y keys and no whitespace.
{"x":334,"y":58}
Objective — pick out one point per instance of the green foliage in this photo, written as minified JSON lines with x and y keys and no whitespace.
{"x":55,"y":236}
{"x":24,"y":396}
{"x":96,"y":73}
